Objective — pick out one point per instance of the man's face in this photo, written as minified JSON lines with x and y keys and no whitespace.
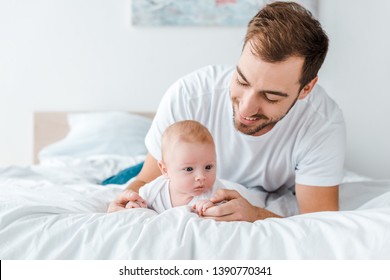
{"x":262,"y":93}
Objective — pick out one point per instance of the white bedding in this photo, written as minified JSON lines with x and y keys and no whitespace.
{"x":57,"y":211}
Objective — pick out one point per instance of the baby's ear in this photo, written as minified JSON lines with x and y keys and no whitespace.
{"x":163,"y":168}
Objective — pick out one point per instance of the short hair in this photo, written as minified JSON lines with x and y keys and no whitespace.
{"x":284,"y":29}
{"x":188,"y":131}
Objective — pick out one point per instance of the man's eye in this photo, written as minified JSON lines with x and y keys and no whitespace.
{"x":270,"y":98}
{"x":241,"y":83}
{"x":188,"y":169}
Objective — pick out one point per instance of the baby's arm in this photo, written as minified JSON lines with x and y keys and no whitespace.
{"x":201,"y":206}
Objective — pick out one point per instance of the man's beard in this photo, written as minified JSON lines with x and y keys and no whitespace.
{"x":249,"y":130}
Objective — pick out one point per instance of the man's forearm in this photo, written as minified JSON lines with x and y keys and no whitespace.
{"x":263,"y":214}
{"x":135,"y":185}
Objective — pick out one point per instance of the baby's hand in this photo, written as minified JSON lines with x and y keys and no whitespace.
{"x":201,"y":206}
{"x":136,"y":202}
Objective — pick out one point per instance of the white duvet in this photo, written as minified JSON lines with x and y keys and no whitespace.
{"x":59,"y":212}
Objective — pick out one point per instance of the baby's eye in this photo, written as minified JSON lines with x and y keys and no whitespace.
{"x":188,"y":169}
{"x":209,"y":167}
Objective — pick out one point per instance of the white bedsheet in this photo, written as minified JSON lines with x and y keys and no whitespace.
{"x":56,"y":213}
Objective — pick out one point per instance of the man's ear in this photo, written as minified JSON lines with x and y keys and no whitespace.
{"x":163,"y":167}
{"x":308,"y":88}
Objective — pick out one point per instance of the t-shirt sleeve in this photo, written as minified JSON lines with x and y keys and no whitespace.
{"x":145,"y":192}
{"x":151,"y":190}
{"x":321,"y":156}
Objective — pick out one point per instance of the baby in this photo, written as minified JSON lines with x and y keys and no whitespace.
{"x":188,"y":168}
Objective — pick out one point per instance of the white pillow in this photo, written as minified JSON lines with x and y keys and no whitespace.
{"x":93,"y":169}
{"x":103,"y":133}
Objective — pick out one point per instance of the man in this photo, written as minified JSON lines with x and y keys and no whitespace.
{"x":286,"y":132}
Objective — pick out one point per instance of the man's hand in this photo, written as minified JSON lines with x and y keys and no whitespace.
{"x":236,"y":208}
{"x":126,"y":199}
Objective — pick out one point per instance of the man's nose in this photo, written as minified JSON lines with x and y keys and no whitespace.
{"x":249,"y":104}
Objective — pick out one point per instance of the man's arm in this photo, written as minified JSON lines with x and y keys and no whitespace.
{"x":316,"y":199}
{"x":149,"y":172}
{"x":310,"y":199}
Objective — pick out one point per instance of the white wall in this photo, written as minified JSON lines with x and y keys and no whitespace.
{"x":356,"y":74}
{"x":85,"y":55}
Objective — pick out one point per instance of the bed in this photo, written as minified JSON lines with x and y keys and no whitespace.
{"x":56,"y":208}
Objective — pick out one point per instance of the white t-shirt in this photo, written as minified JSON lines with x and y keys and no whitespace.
{"x":156,"y":194}
{"x":306,"y":147}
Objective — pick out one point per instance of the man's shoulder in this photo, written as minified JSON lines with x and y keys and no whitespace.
{"x":319,"y":115}
{"x":322,"y":104}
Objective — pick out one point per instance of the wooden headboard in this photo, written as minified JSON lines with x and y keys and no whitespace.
{"x":50,"y":127}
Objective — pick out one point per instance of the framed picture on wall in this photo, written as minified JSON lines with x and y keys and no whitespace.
{"x":200,"y":12}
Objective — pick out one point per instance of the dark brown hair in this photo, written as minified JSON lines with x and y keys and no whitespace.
{"x":284,"y":29}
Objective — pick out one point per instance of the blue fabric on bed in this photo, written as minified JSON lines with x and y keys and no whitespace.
{"x":125,"y":175}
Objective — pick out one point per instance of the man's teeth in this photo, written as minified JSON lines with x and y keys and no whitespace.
{"x":250,"y":119}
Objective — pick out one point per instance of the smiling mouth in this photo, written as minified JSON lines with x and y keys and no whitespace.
{"x":247,"y":120}
{"x":250,"y":120}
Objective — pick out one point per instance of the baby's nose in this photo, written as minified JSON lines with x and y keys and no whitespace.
{"x":199,"y":176}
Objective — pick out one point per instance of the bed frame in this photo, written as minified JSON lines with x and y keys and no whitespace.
{"x":50,"y":127}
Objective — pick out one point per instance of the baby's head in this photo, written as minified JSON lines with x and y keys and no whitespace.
{"x":188,"y":157}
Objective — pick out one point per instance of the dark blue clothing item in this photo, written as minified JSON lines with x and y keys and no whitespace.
{"x":124,"y":176}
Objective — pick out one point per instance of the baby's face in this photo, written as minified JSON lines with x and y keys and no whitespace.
{"x":191,"y":168}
